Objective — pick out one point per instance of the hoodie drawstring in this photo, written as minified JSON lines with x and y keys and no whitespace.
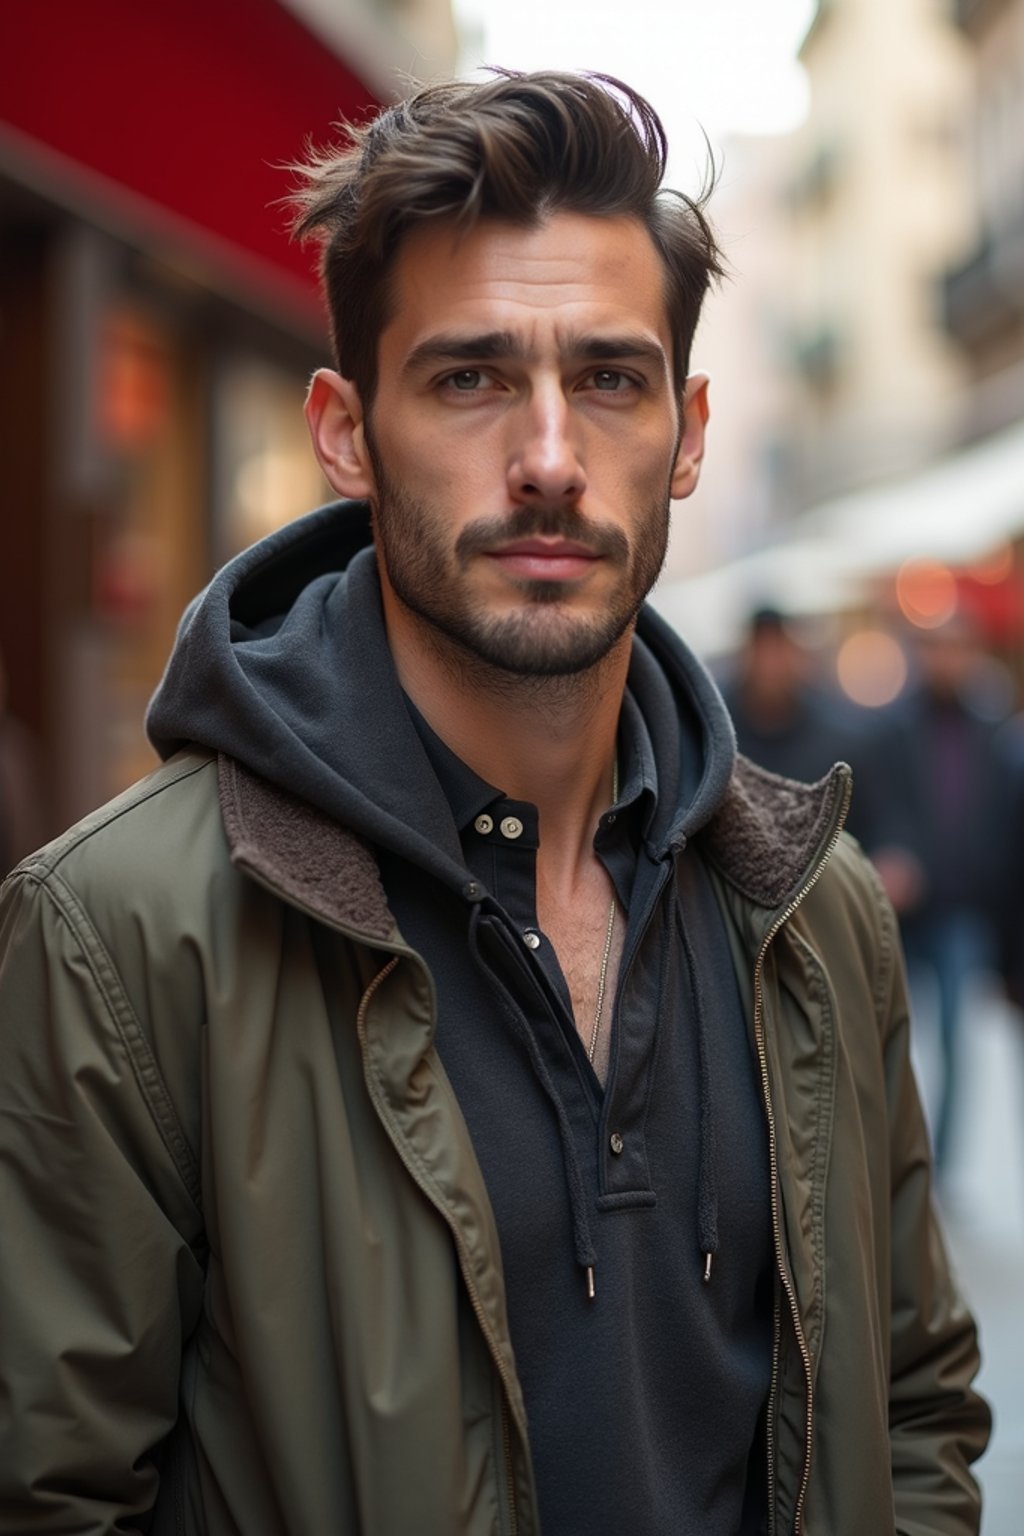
{"x":707,"y":1186}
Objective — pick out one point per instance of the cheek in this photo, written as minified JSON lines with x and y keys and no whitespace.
{"x":433,"y":462}
{"x":640,"y":452}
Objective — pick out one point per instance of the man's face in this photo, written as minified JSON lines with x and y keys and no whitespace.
{"x":524,"y":439}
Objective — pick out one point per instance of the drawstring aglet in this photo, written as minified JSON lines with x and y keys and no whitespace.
{"x":707,"y":1268}
{"x":591,"y":1288}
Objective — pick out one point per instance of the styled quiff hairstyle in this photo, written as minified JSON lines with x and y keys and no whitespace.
{"x":520,"y":148}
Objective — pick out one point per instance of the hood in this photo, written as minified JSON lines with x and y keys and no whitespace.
{"x":282,"y":664}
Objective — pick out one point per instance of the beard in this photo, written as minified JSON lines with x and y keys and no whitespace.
{"x":542,"y":637}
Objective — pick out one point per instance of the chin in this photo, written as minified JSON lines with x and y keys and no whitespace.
{"x":528,"y":645}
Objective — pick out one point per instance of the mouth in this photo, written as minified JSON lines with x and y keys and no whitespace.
{"x":540,"y":559}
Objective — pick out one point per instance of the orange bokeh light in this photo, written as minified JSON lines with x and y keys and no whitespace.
{"x":871,"y":668}
{"x":926,"y":592}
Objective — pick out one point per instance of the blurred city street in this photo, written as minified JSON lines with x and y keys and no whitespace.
{"x":984,"y":1210}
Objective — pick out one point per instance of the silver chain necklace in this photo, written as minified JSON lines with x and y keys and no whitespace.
{"x":602,"y":975}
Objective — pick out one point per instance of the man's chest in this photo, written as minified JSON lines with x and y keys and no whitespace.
{"x":588,"y":939}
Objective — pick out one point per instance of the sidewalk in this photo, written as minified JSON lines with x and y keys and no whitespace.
{"x":984,"y":1214}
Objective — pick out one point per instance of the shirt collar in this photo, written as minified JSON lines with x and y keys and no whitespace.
{"x":468,"y":794}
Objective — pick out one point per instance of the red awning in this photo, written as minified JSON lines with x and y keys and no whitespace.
{"x":182,"y":111}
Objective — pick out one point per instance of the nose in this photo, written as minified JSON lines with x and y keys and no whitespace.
{"x":545,"y":462}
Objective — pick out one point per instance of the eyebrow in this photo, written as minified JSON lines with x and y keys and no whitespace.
{"x":491,"y":346}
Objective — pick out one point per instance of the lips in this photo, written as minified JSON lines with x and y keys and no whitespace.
{"x":540,"y":559}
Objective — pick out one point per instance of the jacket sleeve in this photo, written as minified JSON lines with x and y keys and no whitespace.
{"x":98,"y":1283}
{"x":938,"y":1424}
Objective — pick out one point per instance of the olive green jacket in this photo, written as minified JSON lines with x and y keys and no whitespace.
{"x":250,"y":1280}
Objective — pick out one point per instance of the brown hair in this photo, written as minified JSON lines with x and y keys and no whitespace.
{"x":519,"y":147}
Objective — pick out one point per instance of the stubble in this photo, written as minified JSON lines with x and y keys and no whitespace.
{"x":541,"y":638}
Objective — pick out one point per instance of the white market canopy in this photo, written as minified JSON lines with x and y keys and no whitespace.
{"x":956,"y":510}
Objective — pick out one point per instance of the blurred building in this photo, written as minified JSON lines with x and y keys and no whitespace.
{"x":947,"y":534}
{"x":984,"y":294}
{"x":874,"y":429}
{"x":158,"y":326}
{"x":876,"y":209}
{"x":832,"y":366}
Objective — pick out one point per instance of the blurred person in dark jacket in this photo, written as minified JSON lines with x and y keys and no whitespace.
{"x":1010,"y":865}
{"x":787,"y":720}
{"x":946,"y":834}
{"x":456,"y":1094}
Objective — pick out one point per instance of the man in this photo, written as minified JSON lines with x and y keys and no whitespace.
{"x":454,"y":1094}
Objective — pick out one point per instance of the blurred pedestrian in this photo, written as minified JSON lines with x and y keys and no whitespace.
{"x":454,"y":1093}
{"x":1010,"y":863}
{"x":948,"y":789}
{"x":787,"y":720}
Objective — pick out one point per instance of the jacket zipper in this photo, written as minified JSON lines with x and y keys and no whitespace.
{"x":506,"y":1445}
{"x":773,"y":1163}
{"x":481,"y":1316}
{"x":772,"y":1389}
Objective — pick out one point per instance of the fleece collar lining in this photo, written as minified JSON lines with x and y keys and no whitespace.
{"x":302,"y":852}
{"x":764,"y":836}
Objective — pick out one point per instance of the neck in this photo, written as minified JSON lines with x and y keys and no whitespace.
{"x":548,"y":740}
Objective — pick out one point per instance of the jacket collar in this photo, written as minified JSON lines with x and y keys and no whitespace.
{"x":302,"y":853}
{"x":765,"y":838}
{"x":770,"y":833}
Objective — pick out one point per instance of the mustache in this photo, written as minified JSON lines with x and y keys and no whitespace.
{"x":545,"y":522}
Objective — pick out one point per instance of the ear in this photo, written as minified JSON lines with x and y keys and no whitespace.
{"x":334,"y":415}
{"x":686,"y":472}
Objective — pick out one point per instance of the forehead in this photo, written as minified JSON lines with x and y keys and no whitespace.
{"x":572,"y":273}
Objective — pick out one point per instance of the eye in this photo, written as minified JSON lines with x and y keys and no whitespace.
{"x":611,"y":381}
{"x":467,"y":381}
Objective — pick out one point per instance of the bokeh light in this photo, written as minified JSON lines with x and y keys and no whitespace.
{"x":926,"y":592}
{"x":871,"y":667}
{"x":995,"y":568}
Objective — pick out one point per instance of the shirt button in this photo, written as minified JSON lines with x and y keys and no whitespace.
{"x":511,"y":827}
{"x":484,"y":824}
{"x":531,"y":939}
{"x":609,"y":820}
{"x":616,"y":1143}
